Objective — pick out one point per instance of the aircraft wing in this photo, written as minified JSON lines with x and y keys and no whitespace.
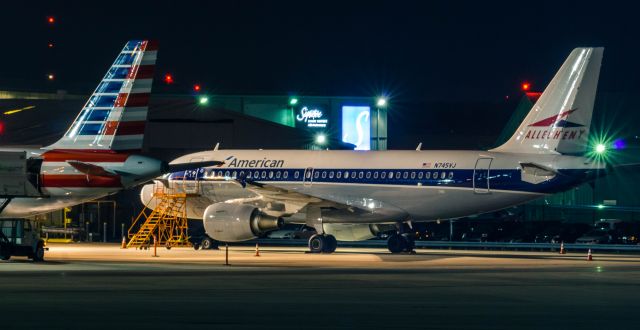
{"x":292,"y":202}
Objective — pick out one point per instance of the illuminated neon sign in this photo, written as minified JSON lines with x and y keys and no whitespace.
{"x":356,"y":126}
{"x":313,"y":118}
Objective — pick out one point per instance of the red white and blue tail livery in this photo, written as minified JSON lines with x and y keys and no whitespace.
{"x":99,"y":153}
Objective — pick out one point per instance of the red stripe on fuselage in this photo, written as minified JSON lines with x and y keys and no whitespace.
{"x":80,"y":181}
{"x":98,"y":156}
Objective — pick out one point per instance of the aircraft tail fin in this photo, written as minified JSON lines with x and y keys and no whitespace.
{"x":559,"y":121}
{"x":114,"y":117}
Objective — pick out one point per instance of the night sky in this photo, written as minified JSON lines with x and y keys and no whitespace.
{"x":412,"y":50}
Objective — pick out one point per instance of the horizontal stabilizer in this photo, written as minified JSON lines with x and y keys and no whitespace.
{"x":90,"y":169}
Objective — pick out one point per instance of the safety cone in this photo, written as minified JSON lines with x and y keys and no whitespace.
{"x":124,"y":243}
{"x":589,"y":256}
{"x":562,"y":251}
{"x":257,"y":250}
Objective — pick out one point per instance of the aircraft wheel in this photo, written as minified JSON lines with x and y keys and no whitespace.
{"x":330,"y":244}
{"x":317,"y":243}
{"x":207,"y":243}
{"x":409,"y":243}
{"x":395,"y":243}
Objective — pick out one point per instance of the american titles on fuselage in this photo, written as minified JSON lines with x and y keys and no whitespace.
{"x":254,"y":163}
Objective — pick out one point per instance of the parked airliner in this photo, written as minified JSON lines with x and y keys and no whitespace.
{"x":99,"y":154}
{"x":352,"y":195}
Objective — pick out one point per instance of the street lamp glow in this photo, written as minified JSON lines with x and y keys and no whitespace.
{"x":203,"y":100}
{"x":381,"y":102}
{"x":321,"y":139}
{"x":601,"y":148}
{"x":293,"y":101}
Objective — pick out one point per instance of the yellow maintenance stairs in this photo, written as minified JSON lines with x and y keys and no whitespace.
{"x":167,"y":221}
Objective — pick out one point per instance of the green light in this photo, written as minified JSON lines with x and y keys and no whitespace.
{"x":203,"y":100}
{"x":321,"y":139}
{"x":601,"y":148}
{"x":381,"y":102}
{"x":293,"y":101}
{"x":600,"y":206}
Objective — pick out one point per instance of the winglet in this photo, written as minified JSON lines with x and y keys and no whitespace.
{"x":419,"y":147}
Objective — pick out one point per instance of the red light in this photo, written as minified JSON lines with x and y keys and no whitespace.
{"x":51,"y":19}
{"x":526,"y":86}
{"x":50,"y":45}
{"x":51,"y":76}
{"x":1,"y":128}
{"x":196,"y":87}
{"x":168,"y":79}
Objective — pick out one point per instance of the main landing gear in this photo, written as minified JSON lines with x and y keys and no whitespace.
{"x":322,"y":243}
{"x":398,"y":243}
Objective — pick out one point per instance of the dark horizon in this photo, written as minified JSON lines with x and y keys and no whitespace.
{"x":413,"y":52}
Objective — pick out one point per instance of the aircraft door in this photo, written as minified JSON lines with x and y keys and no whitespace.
{"x":191,"y":178}
{"x":307,"y":178}
{"x":481,"y":177}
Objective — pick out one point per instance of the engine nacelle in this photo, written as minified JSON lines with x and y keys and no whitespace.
{"x":354,"y":232}
{"x":237,"y":222}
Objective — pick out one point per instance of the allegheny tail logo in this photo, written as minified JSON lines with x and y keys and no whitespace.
{"x":556,"y":128}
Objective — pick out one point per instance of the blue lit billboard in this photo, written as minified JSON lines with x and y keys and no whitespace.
{"x":356,"y":126}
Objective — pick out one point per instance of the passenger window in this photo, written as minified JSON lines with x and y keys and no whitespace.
{"x":219,"y":173}
{"x":324,"y":174}
{"x":308,"y":175}
{"x":390,"y":175}
{"x":278,"y":174}
{"x":383,"y":175}
{"x":360,"y":175}
{"x":346,"y":174}
{"x":375,"y":174}
{"x":241,"y":174}
{"x":296,"y":174}
{"x":413,"y":175}
{"x":428,"y":175}
{"x":435,"y":175}
{"x":368,"y":175}
{"x":256,"y":175}
{"x":397,"y":175}
{"x":338,"y":174}
{"x":405,"y":175}
{"x":450,"y":175}
{"x":285,"y":174}
{"x":264,"y":174}
{"x":234,"y":174}
{"x":420,"y":174}
{"x":443,"y":175}
{"x":226,"y":174}
{"x":270,"y":174}
{"x":331,"y":175}
{"x":353,"y":174}
{"x":316,"y":174}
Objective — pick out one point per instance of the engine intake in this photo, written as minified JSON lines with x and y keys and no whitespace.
{"x":238,"y":222}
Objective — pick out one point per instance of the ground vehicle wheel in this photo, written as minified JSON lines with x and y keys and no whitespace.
{"x":395,"y":243}
{"x":207,"y":243}
{"x":196,"y":246}
{"x":39,"y":253}
{"x":168,"y":247}
{"x":5,"y":257}
{"x":316,"y":243}
{"x":330,"y":244}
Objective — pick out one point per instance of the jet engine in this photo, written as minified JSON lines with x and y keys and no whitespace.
{"x":238,"y":222}
{"x":355,"y":232}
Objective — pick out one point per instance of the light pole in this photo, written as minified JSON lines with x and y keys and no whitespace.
{"x":381,"y":102}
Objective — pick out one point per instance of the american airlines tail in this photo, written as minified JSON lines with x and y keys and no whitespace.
{"x":559,"y":121}
{"x":114,"y":116}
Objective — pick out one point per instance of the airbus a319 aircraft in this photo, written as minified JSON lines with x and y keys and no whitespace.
{"x":99,"y":154}
{"x":352,"y":195}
